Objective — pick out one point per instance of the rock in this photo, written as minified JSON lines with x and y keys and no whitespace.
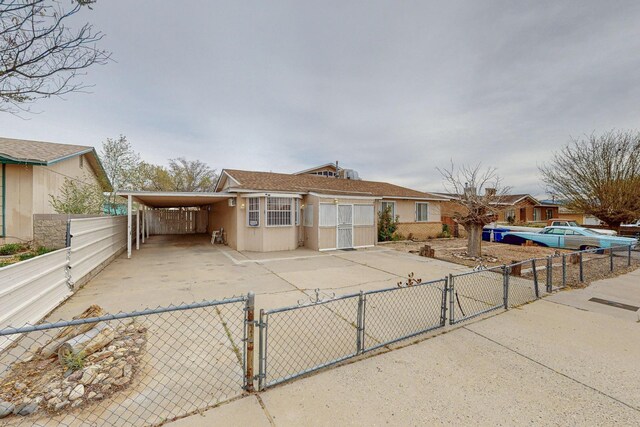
{"x":142,"y":330}
{"x":26,"y":408}
{"x":100,"y":378}
{"x":127,"y":371}
{"x":76,"y":403}
{"x":67,"y":373}
{"x":135,"y":349}
{"x":139,"y":342}
{"x":19,"y":386}
{"x":131,"y":328}
{"x":120,"y":353}
{"x":77,"y":392}
{"x":115,"y":372}
{"x":131,"y":360}
{"x":105,"y":388}
{"x":61,"y":405}
{"x":88,"y":375}
{"x":108,"y":360}
{"x":54,"y":402}
{"x":91,"y":395}
{"x":6,"y":408}
{"x":99,"y":396}
{"x":112,"y":348}
{"x":101,"y":356}
{"x":108,"y":380}
{"x":121,"y":381}
{"x":56,"y":392}
{"x":66,"y":392}
{"x":75,"y":376}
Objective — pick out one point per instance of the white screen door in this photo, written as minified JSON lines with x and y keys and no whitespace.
{"x":345,"y":226}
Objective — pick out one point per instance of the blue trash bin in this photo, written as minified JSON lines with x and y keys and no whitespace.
{"x":498,"y":233}
{"x":486,"y":235}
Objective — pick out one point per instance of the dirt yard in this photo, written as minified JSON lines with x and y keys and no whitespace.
{"x":453,"y":250}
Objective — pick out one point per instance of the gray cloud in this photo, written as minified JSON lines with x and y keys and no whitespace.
{"x":393,"y":89}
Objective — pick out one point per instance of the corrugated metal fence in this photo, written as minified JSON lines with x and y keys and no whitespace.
{"x":30,"y":289}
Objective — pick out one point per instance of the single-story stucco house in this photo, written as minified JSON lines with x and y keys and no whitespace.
{"x":30,"y":172}
{"x":320,"y":208}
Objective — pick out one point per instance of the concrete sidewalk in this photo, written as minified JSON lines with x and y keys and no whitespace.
{"x":561,"y":360}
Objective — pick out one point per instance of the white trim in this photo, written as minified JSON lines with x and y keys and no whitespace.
{"x":343,"y":196}
{"x":248,"y":204}
{"x":413,"y":198}
{"x":266,"y":212}
{"x":327,"y":249}
{"x":364,"y":246}
{"x":273,"y":194}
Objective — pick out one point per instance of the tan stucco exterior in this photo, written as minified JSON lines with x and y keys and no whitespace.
{"x":408,"y":226}
{"x":28,"y":190}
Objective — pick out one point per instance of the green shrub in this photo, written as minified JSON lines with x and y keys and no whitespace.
{"x":387,"y":225}
{"x":41,"y":250}
{"x":74,"y":362}
{"x":11,"y":248}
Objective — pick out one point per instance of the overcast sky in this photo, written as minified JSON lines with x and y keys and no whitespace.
{"x":392,"y":89}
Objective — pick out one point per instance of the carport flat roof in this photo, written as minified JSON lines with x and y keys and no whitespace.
{"x":173,"y":199}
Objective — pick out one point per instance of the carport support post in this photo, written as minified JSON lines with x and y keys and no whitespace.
{"x":129,"y":226}
{"x":143,"y":215}
{"x":250,"y":325}
{"x":138,"y":228}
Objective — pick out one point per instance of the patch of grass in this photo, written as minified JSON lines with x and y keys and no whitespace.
{"x":34,"y":253}
{"x":74,"y":362}
{"x":11,"y":248}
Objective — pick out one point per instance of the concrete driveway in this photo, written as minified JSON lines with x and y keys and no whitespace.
{"x":176,"y":269}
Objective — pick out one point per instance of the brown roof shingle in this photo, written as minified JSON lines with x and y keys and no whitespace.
{"x":270,"y":181}
{"x":20,"y":150}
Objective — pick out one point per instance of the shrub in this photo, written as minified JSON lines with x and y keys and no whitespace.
{"x":11,"y":248}
{"x":387,"y":225}
{"x":73,"y":361}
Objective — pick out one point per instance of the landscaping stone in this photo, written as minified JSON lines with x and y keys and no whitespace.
{"x":115,"y":372}
{"x":100,"y":378}
{"x":75,"y":376}
{"x":26,"y":408}
{"x":61,"y":405}
{"x":77,"y":392}
{"x":88,"y":375}
{"x":6,"y":408}
{"x":121,"y":381}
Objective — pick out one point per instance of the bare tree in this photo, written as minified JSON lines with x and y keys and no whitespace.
{"x":598,"y":175}
{"x":479,"y":196}
{"x":39,"y":55}
{"x":121,"y":164}
{"x":191,"y":175}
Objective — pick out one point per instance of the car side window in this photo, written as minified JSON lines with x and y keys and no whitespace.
{"x":556,"y":231}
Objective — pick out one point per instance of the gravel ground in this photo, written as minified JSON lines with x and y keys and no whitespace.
{"x":494,"y":253}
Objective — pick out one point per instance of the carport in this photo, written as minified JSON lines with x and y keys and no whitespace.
{"x":168,"y":212}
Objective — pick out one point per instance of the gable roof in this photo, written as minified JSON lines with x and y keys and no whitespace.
{"x":507,"y":199}
{"x":270,"y":181}
{"x":39,"y":153}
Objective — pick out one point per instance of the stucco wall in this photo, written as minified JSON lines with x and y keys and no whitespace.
{"x":311,"y":232}
{"x":406,"y":210}
{"x":19,"y":200}
{"x":48,"y":180}
{"x":221,"y":215}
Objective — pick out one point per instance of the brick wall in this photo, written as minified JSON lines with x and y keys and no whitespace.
{"x":50,"y":230}
{"x":419,"y":230}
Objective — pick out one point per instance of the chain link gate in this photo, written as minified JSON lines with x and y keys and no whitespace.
{"x":297,"y":340}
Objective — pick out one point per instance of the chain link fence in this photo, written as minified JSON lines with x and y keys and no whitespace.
{"x":140,"y":368}
{"x":476,"y":292}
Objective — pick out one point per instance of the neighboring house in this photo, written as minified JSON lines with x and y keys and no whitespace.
{"x":31,"y":171}
{"x":274,"y":211}
{"x":522,"y":208}
{"x":580,"y":218}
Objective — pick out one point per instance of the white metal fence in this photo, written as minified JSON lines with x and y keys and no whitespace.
{"x":30,"y":289}
{"x":94,"y":241}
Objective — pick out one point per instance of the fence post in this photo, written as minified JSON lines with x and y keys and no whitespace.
{"x":535,"y":278}
{"x":250,"y":328}
{"x":629,"y":256}
{"x":443,"y":307}
{"x":360,"y":326}
{"x":262,"y":352}
{"x":581,"y":268}
{"x":611,"y":259}
{"x":67,"y":240}
{"x":564,"y":270}
{"x":451,"y":304}
{"x":505,"y":284}
{"x":549,"y":274}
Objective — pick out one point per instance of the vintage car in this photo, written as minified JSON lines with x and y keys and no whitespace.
{"x":563,"y":222}
{"x":568,"y":238}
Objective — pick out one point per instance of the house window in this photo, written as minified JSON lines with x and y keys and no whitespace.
{"x":363,"y":215}
{"x":391,"y":205}
{"x":278,"y":211}
{"x":511,"y":213}
{"x":308,"y":216}
{"x":422,"y":212}
{"x":549,"y":213}
{"x":297,"y":201}
{"x":253,"y":212}
{"x":328,"y":215}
